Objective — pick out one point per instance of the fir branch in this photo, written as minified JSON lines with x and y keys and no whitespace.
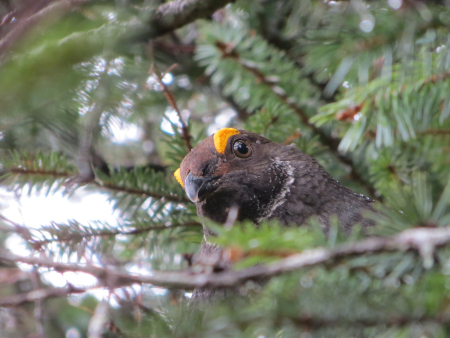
{"x":40,"y":172}
{"x":428,"y":132}
{"x":20,"y":230}
{"x":421,"y":240}
{"x":174,"y":48}
{"x":436,"y":78}
{"x":110,"y":186}
{"x":261,"y":78}
{"x":106,"y":233}
{"x":404,"y":97}
{"x":302,"y":321}
{"x":287,"y":45}
{"x":434,"y":132}
{"x":331,"y":142}
{"x":91,"y":128}
{"x":134,"y":191}
{"x":398,"y":321}
{"x":40,"y":294}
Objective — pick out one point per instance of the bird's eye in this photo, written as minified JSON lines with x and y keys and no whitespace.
{"x":241,"y":149}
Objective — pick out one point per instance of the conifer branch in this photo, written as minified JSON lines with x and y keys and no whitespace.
{"x":20,"y":230}
{"x":434,"y":132}
{"x":175,"y":14}
{"x":428,"y":132}
{"x":420,"y":240}
{"x":106,"y":233}
{"x":146,"y":193}
{"x":397,"y":321}
{"x":302,"y":321}
{"x":107,"y":185}
{"x":436,"y":78}
{"x":41,"y":294}
{"x":40,"y":172}
{"x":91,"y":128}
{"x":331,"y":142}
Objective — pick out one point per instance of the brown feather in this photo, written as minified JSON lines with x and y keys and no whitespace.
{"x":275,"y":182}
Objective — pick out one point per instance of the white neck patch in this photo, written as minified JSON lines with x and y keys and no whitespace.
{"x":278,"y":200}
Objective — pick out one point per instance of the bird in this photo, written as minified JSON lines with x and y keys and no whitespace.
{"x":238,"y":172}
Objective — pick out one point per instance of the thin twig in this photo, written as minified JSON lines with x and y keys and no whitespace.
{"x":292,"y":138}
{"x":168,"y":70}
{"x":185,"y":135}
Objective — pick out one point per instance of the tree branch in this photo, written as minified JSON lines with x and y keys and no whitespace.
{"x":135,"y":191}
{"x":81,"y":46}
{"x":398,"y":321}
{"x":168,"y":17}
{"x":105,"y":233}
{"x":54,"y":9}
{"x":91,"y":128}
{"x":39,"y":295}
{"x":421,"y":240}
{"x":434,"y":132}
{"x":107,"y":185}
{"x":175,"y":14}
{"x":41,"y":172}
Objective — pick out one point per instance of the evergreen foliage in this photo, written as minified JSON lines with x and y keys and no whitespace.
{"x":107,"y":97}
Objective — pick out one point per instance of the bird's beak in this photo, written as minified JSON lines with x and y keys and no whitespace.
{"x":197,"y":187}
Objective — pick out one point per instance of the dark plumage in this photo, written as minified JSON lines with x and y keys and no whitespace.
{"x":240,"y":170}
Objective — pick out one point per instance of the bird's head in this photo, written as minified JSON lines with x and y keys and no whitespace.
{"x":234,"y":169}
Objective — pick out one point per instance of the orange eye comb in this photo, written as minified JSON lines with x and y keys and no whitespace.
{"x":221,"y":138}
{"x":178,"y":177}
